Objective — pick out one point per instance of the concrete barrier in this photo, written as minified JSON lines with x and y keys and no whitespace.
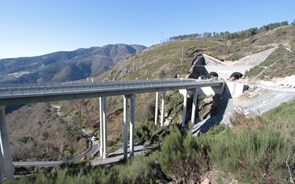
{"x":234,"y":89}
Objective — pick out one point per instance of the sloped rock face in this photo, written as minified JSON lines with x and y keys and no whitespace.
{"x":198,"y":70}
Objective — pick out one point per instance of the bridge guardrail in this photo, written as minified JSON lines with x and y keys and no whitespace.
{"x":22,"y":89}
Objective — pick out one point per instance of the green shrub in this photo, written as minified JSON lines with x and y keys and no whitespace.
{"x":144,"y":132}
{"x":256,"y":155}
{"x":138,"y":170}
{"x":282,"y":119}
{"x":182,"y":158}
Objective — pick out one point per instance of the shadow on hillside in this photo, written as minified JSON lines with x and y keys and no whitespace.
{"x":215,"y":115}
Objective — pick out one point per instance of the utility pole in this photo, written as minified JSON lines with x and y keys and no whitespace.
{"x":182,"y":56}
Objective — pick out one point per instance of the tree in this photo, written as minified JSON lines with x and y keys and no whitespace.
{"x":162,"y":74}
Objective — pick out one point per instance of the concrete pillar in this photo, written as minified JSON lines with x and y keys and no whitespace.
{"x":6,"y":157}
{"x":157,"y":109}
{"x":101,"y":136}
{"x":163,"y":108}
{"x":194,"y":106}
{"x":1,"y":167}
{"x":105,"y":132}
{"x":125,"y":114}
{"x":184,"y":108}
{"x":132,"y":121}
{"x":223,"y":87}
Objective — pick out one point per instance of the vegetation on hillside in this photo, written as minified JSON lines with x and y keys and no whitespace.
{"x":227,"y":35}
{"x":256,"y":150}
{"x":175,"y":57}
{"x":260,"y":70}
{"x":37,"y":133}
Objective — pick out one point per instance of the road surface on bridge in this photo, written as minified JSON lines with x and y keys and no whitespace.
{"x":33,"y":93}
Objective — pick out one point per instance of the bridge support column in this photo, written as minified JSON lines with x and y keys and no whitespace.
{"x":223,"y":87}
{"x":103,"y":128}
{"x":132,"y":121}
{"x":125,"y":145}
{"x":194,"y":107}
{"x":163,"y":108}
{"x":1,"y":167}
{"x":157,"y":109}
{"x":101,"y":136}
{"x":184,"y":108}
{"x":6,"y":158}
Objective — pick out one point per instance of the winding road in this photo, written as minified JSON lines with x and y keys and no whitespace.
{"x":94,"y":148}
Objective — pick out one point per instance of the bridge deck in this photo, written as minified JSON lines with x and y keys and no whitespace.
{"x":32,"y":93}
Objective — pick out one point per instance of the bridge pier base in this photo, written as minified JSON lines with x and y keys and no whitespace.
{"x":163,"y":108}
{"x":184,"y":108}
{"x":157,"y":109}
{"x":194,"y":106}
{"x":103,"y":128}
{"x":7,"y":167}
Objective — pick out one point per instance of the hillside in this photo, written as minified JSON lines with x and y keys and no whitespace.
{"x":164,"y":60}
{"x":38,"y":133}
{"x":64,"y":66}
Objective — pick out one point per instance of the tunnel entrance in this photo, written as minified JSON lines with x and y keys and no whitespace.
{"x":213,"y":75}
{"x":235,"y":76}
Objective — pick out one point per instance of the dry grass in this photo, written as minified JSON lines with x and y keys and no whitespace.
{"x":37,"y":133}
{"x":240,"y":120}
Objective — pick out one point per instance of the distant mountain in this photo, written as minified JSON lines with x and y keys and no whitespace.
{"x":64,"y":66}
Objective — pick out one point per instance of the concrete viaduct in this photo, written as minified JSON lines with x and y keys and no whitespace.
{"x":35,"y":93}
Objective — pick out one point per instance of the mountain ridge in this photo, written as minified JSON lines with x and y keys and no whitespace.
{"x":64,"y":65}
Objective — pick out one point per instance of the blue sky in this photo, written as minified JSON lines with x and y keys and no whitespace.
{"x":36,"y":27}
